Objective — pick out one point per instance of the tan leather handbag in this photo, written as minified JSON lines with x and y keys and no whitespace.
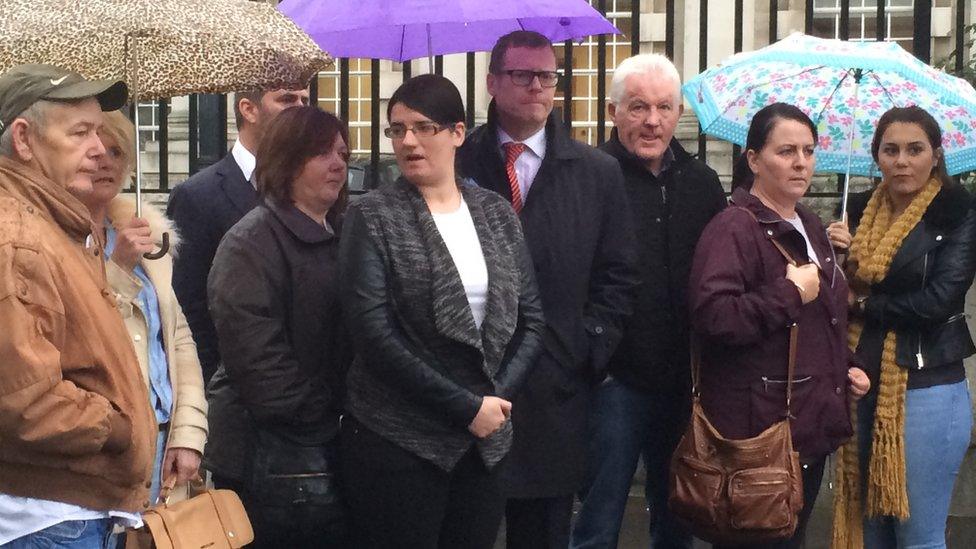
{"x":733,"y":492}
{"x":215,"y":519}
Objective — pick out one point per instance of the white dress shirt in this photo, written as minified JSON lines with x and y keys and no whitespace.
{"x":245,"y":160}
{"x":528,"y":163}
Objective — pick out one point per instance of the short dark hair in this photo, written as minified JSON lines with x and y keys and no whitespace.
{"x":763,"y":123}
{"x":431,"y":95}
{"x":292,"y":138}
{"x":921,"y":118}
{"x":515,"y":39}
{"x":254,"y":96}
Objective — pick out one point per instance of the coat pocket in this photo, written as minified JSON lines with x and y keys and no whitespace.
{"x":767,"y":400}
{"x":946,"y":343}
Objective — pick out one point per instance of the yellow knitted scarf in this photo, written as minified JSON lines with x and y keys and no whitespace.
{"x":877,"y":241}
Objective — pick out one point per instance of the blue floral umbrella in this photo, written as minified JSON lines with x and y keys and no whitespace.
{"x":844,"y":87}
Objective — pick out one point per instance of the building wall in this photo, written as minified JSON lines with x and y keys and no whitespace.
{"x":586,"y":104}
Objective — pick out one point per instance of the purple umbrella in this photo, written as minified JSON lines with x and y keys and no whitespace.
{"x":401,"y":30}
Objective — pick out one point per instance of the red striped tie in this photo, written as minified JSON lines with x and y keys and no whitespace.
{"x":512,"y":152}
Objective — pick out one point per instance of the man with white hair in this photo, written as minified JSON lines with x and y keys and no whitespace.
{"x":642,"y":407}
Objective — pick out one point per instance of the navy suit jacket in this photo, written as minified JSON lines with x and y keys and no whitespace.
{"x":204,"y":208}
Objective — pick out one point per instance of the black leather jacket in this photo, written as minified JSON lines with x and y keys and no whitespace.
{"x":923,"y":296}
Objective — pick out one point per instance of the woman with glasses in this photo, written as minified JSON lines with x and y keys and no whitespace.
{"x":440,"y":298}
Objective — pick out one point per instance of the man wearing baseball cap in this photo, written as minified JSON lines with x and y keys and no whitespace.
{"x":76,"y":430}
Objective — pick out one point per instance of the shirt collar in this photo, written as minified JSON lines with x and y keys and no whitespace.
{"x":245,"y":160}
{"x":666,"y":160}
{"x":535,"y":142}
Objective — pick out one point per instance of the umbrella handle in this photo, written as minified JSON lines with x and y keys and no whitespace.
{"x":163,"y":248}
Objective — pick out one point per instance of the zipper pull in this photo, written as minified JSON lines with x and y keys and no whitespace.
{"x":918,"y":358}
{"x":830,"y":472}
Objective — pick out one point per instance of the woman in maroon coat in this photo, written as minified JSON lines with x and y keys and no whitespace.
{"x":744,"y":297}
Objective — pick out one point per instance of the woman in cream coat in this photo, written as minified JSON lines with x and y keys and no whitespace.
{"x":144,"y":292}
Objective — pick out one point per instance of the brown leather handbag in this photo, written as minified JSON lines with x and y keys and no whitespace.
{"x":214,"y":519}
{"x":733,"y":492}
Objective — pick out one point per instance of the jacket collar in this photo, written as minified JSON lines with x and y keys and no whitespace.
{"x":775,"y":227}
{"x":240,"y":192}
{"x":949,"y":207}
{"x":946,"y":211}
{"x":630,"y":162}
{"x":452,"y":316}
{"x":303,"y":227}
{"x":49,"y":199}
{"x":559,"y":145}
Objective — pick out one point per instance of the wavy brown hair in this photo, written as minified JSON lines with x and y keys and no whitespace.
{"x":291,"y":139}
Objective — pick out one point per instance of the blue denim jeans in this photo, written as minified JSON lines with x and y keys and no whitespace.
{"x":938,"y":421}
{"x":73,"y":534}
{"x":625,"y":424}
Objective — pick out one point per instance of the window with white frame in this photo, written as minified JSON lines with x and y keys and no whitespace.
{"x":585,"y":103}
{"x":148,"y":123}
{"x":359,"y":101}
{"x":898,"y":23}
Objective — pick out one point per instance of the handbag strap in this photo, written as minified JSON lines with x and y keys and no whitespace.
{"x":794,"y":332}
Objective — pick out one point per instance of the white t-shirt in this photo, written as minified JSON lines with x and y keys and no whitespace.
{"x":457,"y":230}
{"x":799,"y":226}
{"x":21,"y":516}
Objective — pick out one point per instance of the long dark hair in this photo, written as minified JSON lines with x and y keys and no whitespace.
{"x":921,"y":118}
{"x":291,"y":139}
{"x":762,"y":124}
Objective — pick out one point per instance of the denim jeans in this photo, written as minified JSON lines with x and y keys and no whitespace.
{"x":938,"y":421}
{"x":625,"y":424}
{"x":74,"y":534}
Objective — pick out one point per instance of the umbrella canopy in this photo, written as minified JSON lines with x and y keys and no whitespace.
{"x":185,"y":46}
{"x":844,"y":87}
{"x":410,"y":29}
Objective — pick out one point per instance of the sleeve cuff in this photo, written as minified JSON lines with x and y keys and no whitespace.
{"x":874,"y":308}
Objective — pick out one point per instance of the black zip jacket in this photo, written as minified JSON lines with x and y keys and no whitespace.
{"x":670,"y":212}
{"x":923,"y":296}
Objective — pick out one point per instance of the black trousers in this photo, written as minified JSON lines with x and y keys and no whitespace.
{"x":399,"y":500}
{"x":812,"y":473}
{"x":538,"y":523}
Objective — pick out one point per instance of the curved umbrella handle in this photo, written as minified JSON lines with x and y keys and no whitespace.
{"x":163,"y":248}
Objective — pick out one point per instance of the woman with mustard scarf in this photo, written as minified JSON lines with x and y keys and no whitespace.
{"x":911,"y":262}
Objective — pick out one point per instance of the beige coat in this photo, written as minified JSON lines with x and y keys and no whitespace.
{"x":188,"y":420}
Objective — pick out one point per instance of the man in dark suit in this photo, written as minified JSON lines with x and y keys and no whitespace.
{"x":642,"y":407}
{"x":573,"y":209}
{"x":206,"y":205}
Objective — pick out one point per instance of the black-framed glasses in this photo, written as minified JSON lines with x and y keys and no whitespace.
{"x":547,"y":79}
{"x":420,"y":129}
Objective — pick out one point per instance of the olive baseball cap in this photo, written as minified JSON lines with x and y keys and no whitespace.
{"x":24,"y":85}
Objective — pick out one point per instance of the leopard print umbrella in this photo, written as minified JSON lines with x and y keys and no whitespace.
{"x":184,"y":46}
